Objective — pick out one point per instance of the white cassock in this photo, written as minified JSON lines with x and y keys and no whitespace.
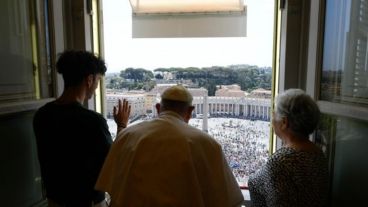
{"x":166,"y":162}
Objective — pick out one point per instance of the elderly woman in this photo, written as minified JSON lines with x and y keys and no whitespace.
{"x":297,"y":174}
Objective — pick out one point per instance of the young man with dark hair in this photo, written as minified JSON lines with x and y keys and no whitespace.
{"x":73,"y":141}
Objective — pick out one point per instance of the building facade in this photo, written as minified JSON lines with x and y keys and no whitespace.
{"x":227,"y":106}
{"x":137,"y":102}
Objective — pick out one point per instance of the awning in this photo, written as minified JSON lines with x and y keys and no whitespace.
{"x":188,"y":18}
{"x":185,"y":6}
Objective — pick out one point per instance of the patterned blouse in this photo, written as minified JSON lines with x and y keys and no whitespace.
{"x":291,"y":178}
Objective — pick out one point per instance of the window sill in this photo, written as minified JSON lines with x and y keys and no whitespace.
{"x":16,"y":107}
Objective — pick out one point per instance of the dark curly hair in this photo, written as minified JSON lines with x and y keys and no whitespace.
{"x":75,"y":65}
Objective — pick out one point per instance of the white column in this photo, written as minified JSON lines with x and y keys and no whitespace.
{"x":205,"y":114}
{"x":255,"y":111}
{"x":265,"y":112}
{"x":259,"y":113}
{"x":154,"y":110}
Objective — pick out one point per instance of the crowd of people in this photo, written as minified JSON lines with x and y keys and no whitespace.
{"x":244,"y":143}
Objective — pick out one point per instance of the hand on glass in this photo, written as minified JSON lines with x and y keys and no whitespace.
{"x":121,"y":114}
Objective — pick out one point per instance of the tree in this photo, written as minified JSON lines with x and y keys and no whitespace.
{"x":159,"y":76}
{"x":137,"y":75}
{"x":249,"y":77}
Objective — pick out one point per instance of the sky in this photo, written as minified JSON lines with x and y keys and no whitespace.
{"x":336,"y":34}
{"x":123,"y":51}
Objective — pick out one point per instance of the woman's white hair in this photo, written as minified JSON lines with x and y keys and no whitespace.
{"x":300,"y":109}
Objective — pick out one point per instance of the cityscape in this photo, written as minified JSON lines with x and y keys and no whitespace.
{"x":238,"y":119}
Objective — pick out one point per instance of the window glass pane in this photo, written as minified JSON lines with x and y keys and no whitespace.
{"x":23,"y":55}
{"x":345,"y":58}
{"x":346,"y":143}
{"x":16,"y":75}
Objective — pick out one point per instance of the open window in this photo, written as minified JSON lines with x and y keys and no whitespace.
{"x":26,"y":77}
{"x":233,"y":97}
{"x":26,"y":83}
{"x":338,"y":78}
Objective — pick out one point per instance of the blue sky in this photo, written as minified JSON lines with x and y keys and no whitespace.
{"x":336,"y":34}
{"x":122,"y":51}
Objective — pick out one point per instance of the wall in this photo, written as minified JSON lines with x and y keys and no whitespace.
{"x":19,"y":172}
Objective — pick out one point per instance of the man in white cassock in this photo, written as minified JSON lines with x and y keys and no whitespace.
{"x":166,"y":162}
